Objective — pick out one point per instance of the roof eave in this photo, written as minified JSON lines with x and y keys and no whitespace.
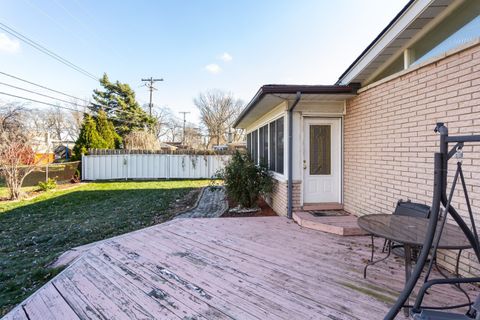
{"x":375,"y":41}
{"x":292,"y":89}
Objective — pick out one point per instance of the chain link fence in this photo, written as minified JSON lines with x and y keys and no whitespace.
{"x":58,"y":171}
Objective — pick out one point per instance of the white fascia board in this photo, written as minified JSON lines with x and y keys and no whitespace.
{"x":402,"y":23}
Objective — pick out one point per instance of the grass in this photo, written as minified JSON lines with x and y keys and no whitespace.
{"x":4,"y":193}
{"x":34,"y":232}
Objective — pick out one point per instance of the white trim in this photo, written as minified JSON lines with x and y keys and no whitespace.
{"x":279,"y":177}
{"x":266,"y":122}
{"x":277,"y":112}
{"x":312,"y":114}
{"x":341,"y":152}
{"x":342,"y":162}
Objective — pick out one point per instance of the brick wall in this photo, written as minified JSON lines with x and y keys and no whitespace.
{"x":389,"y":138}
{"x":278,"y":198}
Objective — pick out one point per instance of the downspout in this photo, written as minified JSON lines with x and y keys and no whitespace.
{"x":290,"y":156}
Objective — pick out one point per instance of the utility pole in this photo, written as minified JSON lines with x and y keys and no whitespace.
{"x":149,"y":84}
{"x":184,"y":122}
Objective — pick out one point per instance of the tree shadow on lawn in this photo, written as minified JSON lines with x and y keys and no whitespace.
{"x":33,"y":235}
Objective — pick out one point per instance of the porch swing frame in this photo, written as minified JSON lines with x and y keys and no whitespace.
{"x":440,"y":198}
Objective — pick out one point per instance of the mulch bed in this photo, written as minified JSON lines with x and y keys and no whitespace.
{"x":264,"y":211}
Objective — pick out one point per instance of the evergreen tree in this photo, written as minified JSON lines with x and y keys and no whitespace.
{"x":107,"y":132}
{"x":89,"y":138}
{"x":118,"y":101}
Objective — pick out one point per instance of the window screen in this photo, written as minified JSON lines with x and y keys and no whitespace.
{"x":273,"y":145}
{"x":279,"y":153}
{"x":255,"y":146}
{"x":249,"y":144}
{"x":263,"y":137}
{"x":276,"y":145}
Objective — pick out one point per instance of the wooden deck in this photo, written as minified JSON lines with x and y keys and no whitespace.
{"x":224,"y":268}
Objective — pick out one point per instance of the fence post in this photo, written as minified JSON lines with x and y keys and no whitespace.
{"x":168,"y":166}
{"x":83,"y":167}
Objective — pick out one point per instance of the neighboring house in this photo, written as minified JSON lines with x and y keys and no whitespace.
{"x":367,"y":141}
{"x":43,"y":148}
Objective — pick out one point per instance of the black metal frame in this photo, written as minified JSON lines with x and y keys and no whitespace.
{"x":386,"y":246}
{"x":389,"y":245}
{"x":440,"y":198}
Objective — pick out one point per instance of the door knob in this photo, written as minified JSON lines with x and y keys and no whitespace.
{"x":304,"y":165}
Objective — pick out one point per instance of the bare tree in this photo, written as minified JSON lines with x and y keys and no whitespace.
{"x":193,"y":137}
{"x":74,"y":125}
{"x":218,"y":111}
{"x":55,"y":122}
{"x":60,"y":124}
{"x":17,"y":160}
{"x":12,"y":121}
{"x":163,"y":117}
{"x":17,"y":157}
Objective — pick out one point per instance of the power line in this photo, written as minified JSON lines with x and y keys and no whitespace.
{"x":60,"y":107}
{"x":41,"y":86}
{"x":46,"y":51}
{"x":53,"y":90}
{"x":37,"y":93}
{"x":38,"y":101}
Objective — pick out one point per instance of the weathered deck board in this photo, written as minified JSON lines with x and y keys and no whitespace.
{"x":235,"y":268}
{"x":169,"y":296}
{"x":16,"y":314}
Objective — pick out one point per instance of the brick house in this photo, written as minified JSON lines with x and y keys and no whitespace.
{"x":367,"y":141}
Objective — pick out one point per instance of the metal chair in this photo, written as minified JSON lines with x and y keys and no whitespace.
{"x":405,"y":208}
{"x":411,"y":209}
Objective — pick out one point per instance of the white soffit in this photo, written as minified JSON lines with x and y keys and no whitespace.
{"x":413,"y":20}
{"x":271,"y":101}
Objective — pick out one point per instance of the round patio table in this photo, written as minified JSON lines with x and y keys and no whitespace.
{"x":410,"y":232}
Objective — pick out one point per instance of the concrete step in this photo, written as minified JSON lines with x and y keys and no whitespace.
{"x":345,"y":225}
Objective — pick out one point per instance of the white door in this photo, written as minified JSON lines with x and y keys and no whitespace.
{"x":322,"y":160}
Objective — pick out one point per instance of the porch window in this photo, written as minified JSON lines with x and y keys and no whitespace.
{"x":255,"y":146}
{"x":273,"y":146}
{"x":276,"y":145}
{"x":249,"y":144}
{"x":263,"y":137}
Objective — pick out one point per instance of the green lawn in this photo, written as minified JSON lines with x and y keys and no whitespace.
{"x":34,"y":232}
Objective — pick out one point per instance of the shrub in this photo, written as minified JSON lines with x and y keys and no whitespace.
{"x":47,"y":185}
{"x":244,"y":181}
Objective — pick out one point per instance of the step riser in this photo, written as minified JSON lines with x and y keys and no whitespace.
{"x":322,"y":206}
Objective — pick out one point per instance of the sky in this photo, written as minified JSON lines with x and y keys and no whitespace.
{"x":195,"y":46}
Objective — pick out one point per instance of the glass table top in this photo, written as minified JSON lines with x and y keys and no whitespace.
{"x":411,"y":230}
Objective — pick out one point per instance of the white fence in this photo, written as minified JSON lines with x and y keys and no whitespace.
{"x":151,"y":166}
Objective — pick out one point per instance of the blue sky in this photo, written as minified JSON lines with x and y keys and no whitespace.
{"x":194,"y":45}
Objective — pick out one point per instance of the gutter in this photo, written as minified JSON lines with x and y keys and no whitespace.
{"x":290,"y":155}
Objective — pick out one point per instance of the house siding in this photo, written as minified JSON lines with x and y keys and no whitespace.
{"x":389,"y":140}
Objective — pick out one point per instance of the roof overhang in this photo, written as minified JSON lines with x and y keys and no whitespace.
{"x":270,"y":96}
{"x":407,"y":25}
